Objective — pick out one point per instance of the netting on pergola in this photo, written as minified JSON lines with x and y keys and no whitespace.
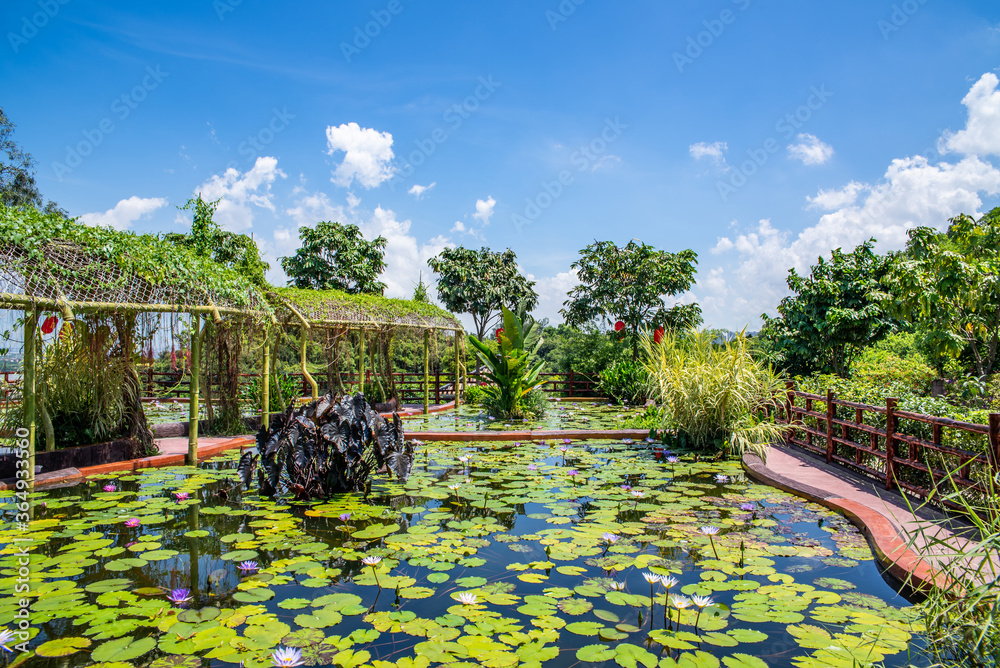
{"x":335,"y":309}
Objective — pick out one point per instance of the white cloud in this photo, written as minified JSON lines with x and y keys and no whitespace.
{"x":715,"y":152}
{"x":418,"y":190}
{"x":405,"y":257}
{"x":981,"y":135}
{"x":367,"y":154}
{"x":484,"y":210}
{"x":311,"y":209}
{"x":606,"y":162}
{"x":810,"y":150}
{"x":126,"y":212}
{"x":837,"y":197}
{"x":459,"y":226}
{"x":552,"y":293}
{"x":241,"y":192}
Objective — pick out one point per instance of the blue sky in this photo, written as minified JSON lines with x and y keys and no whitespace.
{"x":761,"y":135}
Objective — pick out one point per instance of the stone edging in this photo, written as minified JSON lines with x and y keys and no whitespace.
{"x":889,"y":547}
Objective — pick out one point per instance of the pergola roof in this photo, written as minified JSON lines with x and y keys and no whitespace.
{"x":333,"y":308}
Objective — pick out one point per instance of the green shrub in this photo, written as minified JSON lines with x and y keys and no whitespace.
{"x":894,"y":362}
{"x":714,"y":395}
{"x":625,"y":381}
{"x":473,"y":395}
{"x":510,"y":367}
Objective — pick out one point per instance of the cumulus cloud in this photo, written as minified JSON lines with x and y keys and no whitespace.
{"x":406,"y":257}
{"x":981,"y":135}
{"x":367,"y":154}
{"x":716,"y":152}
{"x":241,"y":193}
{"x":552,"y":293}
{"x":810,"y":150}
{"x":914,"y":191}
{"x":313,"y":208}
{"x":484,"y":210}
{"x":418,"y":190}
{"x":126,"y":212}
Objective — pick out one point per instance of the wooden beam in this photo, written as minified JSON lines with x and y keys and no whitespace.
{"x":28,"y":385}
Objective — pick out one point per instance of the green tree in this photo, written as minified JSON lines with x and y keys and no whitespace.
{"x":481,"y":283}
{"x":835,"y":312}
{"x":511,"y":366}
{"x":948,"y":283}
{"x":236,"y":251}
{"x":337,"y":257}
{"x":17,"y":174}
{"x":630,"y":285}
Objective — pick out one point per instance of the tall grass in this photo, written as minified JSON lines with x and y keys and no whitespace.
{"x":716,"y":394}
{"x":961,"y":614}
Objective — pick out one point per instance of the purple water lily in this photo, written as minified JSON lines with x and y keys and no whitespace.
{"x":180,"y":596}
{"x":110,"y":488}
{"x":249,"y":566}
{"x":286,"y":657}
{"x":344,"y":517}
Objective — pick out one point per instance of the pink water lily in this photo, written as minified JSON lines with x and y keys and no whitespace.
{"x":132,"y":522}
{"x":181,"y":496}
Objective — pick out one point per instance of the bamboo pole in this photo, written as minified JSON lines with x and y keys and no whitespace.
{"x":28,"y":386}
{"x":361,"y":362}
{"x":458,"y":373}
{"x":305,"y":371}
{"x":193,"y":409}
{"x":265,"y":385}
{"x":68,"y":307}
{"x":427,"y":371}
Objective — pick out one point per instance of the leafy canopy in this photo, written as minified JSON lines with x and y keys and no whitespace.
{"x":833,"y":314}
{"x":630,"y":284}
{"x":334,"y":256}
{"x":207,"y":239}
{"x":948,"y":283}
{"x":481,"y":283}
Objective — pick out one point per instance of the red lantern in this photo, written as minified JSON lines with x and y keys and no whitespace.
{"x":498,"y":333}
{"x":619,"y":326}
{"x":49,"y":325}
{"x":658,"y":335}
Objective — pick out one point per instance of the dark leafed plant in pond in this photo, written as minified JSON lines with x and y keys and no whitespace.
{"x":510,"y":369}
{"x":326,"y":448}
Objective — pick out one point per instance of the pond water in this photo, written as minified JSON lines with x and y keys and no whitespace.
{"x":492,"y":555}
{"x":558,"y":415}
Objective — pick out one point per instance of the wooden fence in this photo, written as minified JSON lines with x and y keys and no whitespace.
{"x":909,"y":451}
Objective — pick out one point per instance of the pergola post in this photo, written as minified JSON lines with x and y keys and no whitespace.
{"x":427,"y":371}
{"x":362,"y":370}
{"x":305,"y":371}
{"x":458,"y":372}
{"x":193,"y":407}
{"x":28,"y":385}
{"x":265,"y":385}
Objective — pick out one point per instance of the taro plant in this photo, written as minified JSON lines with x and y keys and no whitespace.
{"x":510,"y":368}
{"x":326,"y":448}
{"x":714,"y":394}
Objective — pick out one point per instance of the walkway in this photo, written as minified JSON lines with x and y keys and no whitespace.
{"x":904,"y":540}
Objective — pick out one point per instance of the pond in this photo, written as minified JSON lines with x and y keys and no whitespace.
{"x":492,"y":555}
{"x":558,"y":415}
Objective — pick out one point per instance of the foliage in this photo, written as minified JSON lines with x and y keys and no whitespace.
{"x":283,"y":389}
{"x":366,"y":308}
{"x":949,"y":283}
{"x":894,"y":361}
{"x":481,"y":283}
{"x":510,"y":369}
{"x":473,"y":395}
{"x":326,"y":448}
{"x":18,"y":187}
{"x":586,"y":350}
{"x":236,"y":251}
{"x":625,"y":381}
{"x":833,"y":313}
{"x":713,"y":394}
{"x":420,"y":293}
{"x":333,"y":256}
{"x":629,"y":285}
{"x":188,"y":275}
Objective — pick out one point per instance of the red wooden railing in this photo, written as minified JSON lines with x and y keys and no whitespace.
{"x":901,"y":449}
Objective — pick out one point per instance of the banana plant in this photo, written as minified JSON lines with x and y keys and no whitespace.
{"x":510,"y":369}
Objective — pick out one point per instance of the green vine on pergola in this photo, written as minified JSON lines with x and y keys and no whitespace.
{"x":50,"y":263}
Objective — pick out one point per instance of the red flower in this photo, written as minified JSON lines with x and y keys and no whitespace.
{"x":658,"y":335}
{"x":619,"y":326}
{"x":49,"y":325}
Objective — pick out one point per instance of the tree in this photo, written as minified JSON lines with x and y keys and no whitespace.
{"x":337,"y":257}
{"x":949,"y":285}
{"x":834,"y":313}
{"x":480,"y":283}
{"x":629,"y":285}
{"x":17,"y":174}
{"x":236,"y":251}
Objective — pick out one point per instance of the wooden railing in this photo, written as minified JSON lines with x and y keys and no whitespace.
{"x":901,"y":449}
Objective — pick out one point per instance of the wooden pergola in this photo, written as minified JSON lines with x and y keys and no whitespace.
{"x":70,"y":278}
